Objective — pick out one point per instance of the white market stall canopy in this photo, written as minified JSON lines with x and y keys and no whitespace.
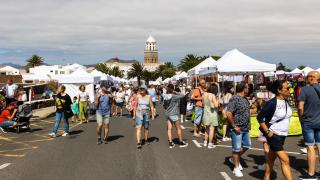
{"x":318,"y":69}
{"x":79,"y":76}
{"x":306,"y":70}
{"x":208,"y":63}
{"x":100,"y":74}
{"x":297,"y":71}
{"x":236,"y":62}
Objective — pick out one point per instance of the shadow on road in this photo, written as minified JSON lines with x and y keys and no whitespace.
{"x":153,"y":139}
{"x":75,"y":132}
{"x":115,"y":137}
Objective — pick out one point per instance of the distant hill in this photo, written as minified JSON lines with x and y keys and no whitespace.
{"x":12,"y":65}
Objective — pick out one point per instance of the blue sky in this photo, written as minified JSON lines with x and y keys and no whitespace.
{"x":87,"y":32}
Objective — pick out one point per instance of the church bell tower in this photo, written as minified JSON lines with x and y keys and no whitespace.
{"x":151,"y":51}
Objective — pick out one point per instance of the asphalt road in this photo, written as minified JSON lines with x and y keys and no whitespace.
{"x":35,"y":156}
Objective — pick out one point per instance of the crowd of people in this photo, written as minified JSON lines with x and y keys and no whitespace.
{"x":210,"y":109}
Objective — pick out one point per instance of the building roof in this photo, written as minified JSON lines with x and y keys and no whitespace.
{"x":151,"y":39}
{"x":15,"y":78}
{"x":117,"y":60}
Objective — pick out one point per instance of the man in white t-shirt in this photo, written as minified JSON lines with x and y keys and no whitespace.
{"x":11,"y":90}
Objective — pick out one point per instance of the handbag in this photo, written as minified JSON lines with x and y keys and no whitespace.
{"x":67,"y":113}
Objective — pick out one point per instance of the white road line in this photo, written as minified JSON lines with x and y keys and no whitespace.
{"x":225,"y":176}
{"x":182,"y":127}
{"x":4,"y":165}
{"x":196,"y":143}
{"x":258,"y":149}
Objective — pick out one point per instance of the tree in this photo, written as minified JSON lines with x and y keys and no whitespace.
{"x":102,"y":68}
{"x":115,"y":71}
{"x":165,"y":70}
{"x":168,"y":73}
{"x":34,"y":61}
{"x":189,"y":61}
{"x":148,"y":76}
{"x":215,"y":57}
{"x":280,"y":67}
{"x":301,"y":67}
{"x":136,"y":70}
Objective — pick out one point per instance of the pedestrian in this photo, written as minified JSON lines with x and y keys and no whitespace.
{"x":141,"y":115}
{"x":83,"y":98}
{"x":63,"y":110}
{"x":274,"y":119}
{"x":11,"y":91}
{"x":132,"y":101}
{"x":7,"y":117}
{"x":226,"y":99}
{"x":197,"y":97}
{"x":210,"y":114}
{"x":103,"y":105}
{"x":21,"y":95}
{"x":75,"y":109}
{"x":120,"y":98}
{"x":153,"y":93}
{"x":183,"y":105}
{"x":171,"y":105}
{"x":309,"y":114}
{"x":238,"y":115}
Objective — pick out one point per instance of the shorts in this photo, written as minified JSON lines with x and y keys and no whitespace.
{"x":311,"y":136}
{"x":144,"y":121}
{"x":119,"y":104}
{"x":276,"y":142}
{"x":241,"y":140}
{"x":7,"y":124}
{"x":105,"y":119}
{"x":154,"y":104}
{"x":173,"y":118}
{"x":198,"y":116}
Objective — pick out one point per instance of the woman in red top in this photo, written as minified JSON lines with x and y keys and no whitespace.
{"x":6,"y":117}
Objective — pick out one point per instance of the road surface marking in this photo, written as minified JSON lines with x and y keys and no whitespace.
{"x":196,"y":143}
{"x":34,"y":147}
{"x":4,"y":138}
{"x":258,"y":149}
{"x":225,"y":176}
{"x":182,"y":127}
{"x":12,"y":155}
{"x":36,"y":125}
{"x":4,"y":165}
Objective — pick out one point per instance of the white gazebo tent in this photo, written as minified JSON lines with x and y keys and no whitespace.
{"x":296,"y":71}
{"x":77,"y":78}
{"x":318,"y":69}
{"x":208,"y":63}
{"x":306,"y":70}
{"x":102,"y":75}
{"x":235,"y":62}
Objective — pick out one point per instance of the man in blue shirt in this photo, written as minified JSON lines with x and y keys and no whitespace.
{"x":309,"y":114}
{"x":102,"y":102}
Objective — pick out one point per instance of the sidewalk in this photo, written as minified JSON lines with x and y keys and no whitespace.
{"x":43,"y":113}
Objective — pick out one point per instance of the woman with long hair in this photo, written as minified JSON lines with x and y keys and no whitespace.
{"x":83,"y":98}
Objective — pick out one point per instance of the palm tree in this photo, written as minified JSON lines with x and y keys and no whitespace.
{"x":34,"y":61}
{"x":115,"y":71}
{"x":189,"y":61}
{"x":103,"y":68}
{"x":165,"y":70}
{"x":148,"y":76}
{"x":136,"y":70}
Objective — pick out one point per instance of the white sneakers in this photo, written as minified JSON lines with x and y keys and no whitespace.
{"x":205,"y":143}
{"x":237,"y":172}
{"x":211,"y":146}
{"x":239,"y":166}
{"x":53,"y":135}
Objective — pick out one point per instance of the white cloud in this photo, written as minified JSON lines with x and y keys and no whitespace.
{"x":273,"y":30}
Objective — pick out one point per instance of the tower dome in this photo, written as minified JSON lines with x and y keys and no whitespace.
{"x":151,"y":50}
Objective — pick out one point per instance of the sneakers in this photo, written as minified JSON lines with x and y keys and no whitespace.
{"x":65,"y":134}
{"x":304,"y":150}
{"x":262,"y":167}
{"x":171,"y":145}
{"x":105,"y":140}
{"x":183,"y":144}
{"x":239,"y":166}
{"x":308,"y":177}
{"x":211,"y":146}
{"x":99,"y":141}
{"x":205,"y":143}
{"x":237,"y":172}
{"x":139,"y":146}
{"x":2,"y":130}
{"x":225,"y":139}
{"x":53,"y":135}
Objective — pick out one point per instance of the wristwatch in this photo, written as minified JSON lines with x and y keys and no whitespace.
{"x":268,"y":131}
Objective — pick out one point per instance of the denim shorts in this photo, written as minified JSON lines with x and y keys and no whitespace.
{"x":144,"y":121}
{"x":241,"y":140}
{"x":103,"y":119}
{"x":173,"y":118}
{"x":198,"y":116}
{"x":7,"y":124}
{"x":311,"y":136}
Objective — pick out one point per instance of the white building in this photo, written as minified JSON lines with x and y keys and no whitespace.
{"x":55,"y":70}
{"x":8,"y":70}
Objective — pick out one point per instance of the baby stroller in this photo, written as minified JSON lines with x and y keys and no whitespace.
{"x":23,"y":117}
